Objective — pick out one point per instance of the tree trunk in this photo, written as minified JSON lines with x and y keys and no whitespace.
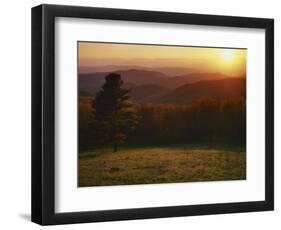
{"x":114,"y":147}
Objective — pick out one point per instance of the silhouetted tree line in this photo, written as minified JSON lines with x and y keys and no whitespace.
{"x":207,"y":121}
{"x":111,"y":119}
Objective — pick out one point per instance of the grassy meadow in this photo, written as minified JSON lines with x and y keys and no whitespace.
{"x":150,"y":165}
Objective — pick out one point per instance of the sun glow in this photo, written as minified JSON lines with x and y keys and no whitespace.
{"x":228,"y":54}
{"x":229,"y":61}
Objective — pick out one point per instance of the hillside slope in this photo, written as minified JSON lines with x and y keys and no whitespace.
{"x":223,"y":88}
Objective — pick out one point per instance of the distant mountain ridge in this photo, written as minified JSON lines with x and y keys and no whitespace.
{"x":150,"y":86}
{"x":141,"y":93}
{"x":169,"y":71}
{"x":92,"y":82}
{"x":217,"y":89}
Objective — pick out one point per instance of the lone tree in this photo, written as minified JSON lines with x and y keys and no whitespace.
{"x":114,"y":116}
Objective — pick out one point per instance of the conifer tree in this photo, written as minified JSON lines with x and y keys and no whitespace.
{"x":114,"y":116}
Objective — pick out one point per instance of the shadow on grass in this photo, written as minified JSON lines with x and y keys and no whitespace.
{"x":94,"y":152}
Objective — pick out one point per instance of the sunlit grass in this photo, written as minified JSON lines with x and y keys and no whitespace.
{"x":159,"y":165}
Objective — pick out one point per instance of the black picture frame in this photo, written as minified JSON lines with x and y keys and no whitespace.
{"x":43,"y":110}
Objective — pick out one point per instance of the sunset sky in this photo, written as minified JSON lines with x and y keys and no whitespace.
{"x":227,"y":61}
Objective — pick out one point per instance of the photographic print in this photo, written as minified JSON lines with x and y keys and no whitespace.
{"x":150,"y":114}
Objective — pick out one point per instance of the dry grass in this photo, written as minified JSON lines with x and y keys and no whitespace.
{"x":159,"y":165}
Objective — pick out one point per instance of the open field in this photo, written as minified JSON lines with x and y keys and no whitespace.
{"x":148,"y":165}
